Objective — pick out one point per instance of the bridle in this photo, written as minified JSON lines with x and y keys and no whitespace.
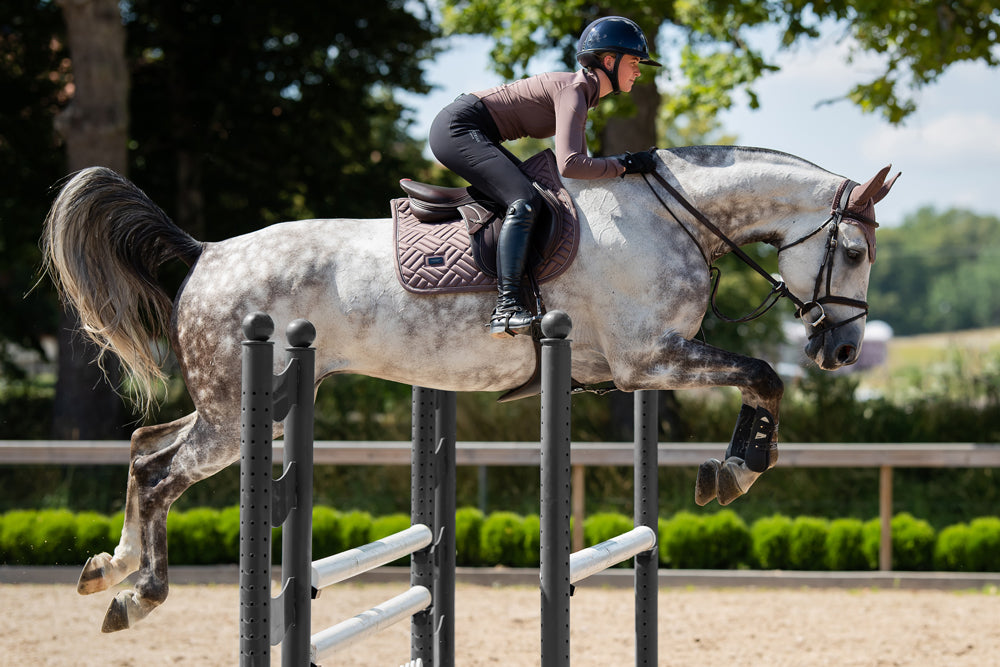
{"x":838,"y":213}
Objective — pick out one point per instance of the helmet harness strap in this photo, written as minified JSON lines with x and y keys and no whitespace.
{"x":613,"y":74}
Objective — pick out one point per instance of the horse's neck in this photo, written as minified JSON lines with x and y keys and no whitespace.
{"x":751,"y":195}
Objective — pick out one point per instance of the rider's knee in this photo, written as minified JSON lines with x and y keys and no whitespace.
{"x":526,"y":208}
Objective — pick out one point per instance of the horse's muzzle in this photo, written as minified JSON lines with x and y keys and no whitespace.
{"x":835,"y":348}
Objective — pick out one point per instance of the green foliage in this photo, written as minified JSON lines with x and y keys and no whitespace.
{"x":679,"y":538}
{"x":937,"y":271}
{"x":718,"y":541}
{"x":807,"y":543}
{"x":951,"y":551}
{"x":194,"y":537}
{"x":729,"y":540}
{"x":355,"y":528}
{"x":912,"y":543}
{"x":603,"y":526}
{"x":384,"y":526}
{"x":16,"y":545}
{"x":228,"y":530}
{"x":870,"y":535}
{"x":969,"y":547}
{"x":983,"y":545}
{"x":771,"y":542}
{"x":26,"y":406}
{"x":718,"y":59}
{"x":33,"y":73}
{"x":502,"y":539}
{"x":686,"y":540}
{"x":531,"y":550}
{"x":468,"y":528}
{"x":291,"y":120}
{"x":117,"y":525}
{"x":93,"y":534}
{"x":52,"y":538}
{"x":843,"y":545}
{"x":327,"y":537}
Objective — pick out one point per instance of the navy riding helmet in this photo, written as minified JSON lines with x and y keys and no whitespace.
{"x":614,"y":34}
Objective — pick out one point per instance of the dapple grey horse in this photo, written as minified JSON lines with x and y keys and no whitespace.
{"x":637,"y":292}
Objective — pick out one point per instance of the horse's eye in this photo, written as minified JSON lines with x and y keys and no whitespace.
{"x":854,"y":255}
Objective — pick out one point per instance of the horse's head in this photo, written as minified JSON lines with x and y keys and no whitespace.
{"x":826,"y":271}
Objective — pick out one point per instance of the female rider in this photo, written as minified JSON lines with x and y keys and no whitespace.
{"x":467,"y":136}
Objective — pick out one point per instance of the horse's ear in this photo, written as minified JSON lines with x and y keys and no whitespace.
{"x":863,"y":194}
{"x":884,"y":190}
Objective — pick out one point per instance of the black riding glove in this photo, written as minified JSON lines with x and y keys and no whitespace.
{"x":642,"y":162}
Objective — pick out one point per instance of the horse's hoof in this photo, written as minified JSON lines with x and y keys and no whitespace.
{"x":117,"y":617}
{"x":730,"y":487}
{"x":94,"y":577}
{"x":126,"y":610}
{"x":706,"y":485}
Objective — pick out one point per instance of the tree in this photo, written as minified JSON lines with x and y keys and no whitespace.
{"x":248,"y":115}
{"x":94,"y":126}
{"x":937,"y":272}
{"x":239,"y":116}
{"x":33,"y":74}
{"x":916,"y":41}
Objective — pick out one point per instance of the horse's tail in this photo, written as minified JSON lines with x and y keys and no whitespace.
{"x":103,"y":242}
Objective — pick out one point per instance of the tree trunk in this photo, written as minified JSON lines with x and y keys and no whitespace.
{"x":633,"y":133}
{"x":95,"y":128}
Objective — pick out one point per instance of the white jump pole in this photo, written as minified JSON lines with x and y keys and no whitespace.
{"x":365,"y":624}
{"x":600,"y":557}
{"x":340,"y":567}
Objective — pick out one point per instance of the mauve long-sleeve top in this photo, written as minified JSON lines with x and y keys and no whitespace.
{"x":554,"y":104}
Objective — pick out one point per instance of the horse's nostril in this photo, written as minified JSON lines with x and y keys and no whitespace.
{"x":846,"y":354}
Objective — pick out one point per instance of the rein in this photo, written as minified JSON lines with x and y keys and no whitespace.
{"x":778,"y":288}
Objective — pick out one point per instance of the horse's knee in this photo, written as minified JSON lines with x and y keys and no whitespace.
{"x":766,"y":384}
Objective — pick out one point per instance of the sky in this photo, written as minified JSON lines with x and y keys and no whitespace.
{"x":948,"y":151}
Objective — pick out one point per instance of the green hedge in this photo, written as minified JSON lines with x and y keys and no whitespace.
{"x":720,"y":540}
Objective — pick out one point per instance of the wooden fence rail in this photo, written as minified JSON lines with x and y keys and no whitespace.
{"x":885,"y":457}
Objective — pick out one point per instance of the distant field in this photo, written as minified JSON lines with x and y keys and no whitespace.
{"x":911,"y":357}
{"x":943,"y":347}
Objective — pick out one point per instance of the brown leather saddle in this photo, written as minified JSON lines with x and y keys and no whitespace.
{"x":446,"y":237}
{"x":446,"y":241}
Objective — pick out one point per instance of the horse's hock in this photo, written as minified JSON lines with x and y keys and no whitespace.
{"x":430,"y":540}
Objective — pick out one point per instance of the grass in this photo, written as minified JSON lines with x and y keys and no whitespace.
{"x":921,"y":362}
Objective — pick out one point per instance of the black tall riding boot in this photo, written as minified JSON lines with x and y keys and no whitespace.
{"x":511,"y":316}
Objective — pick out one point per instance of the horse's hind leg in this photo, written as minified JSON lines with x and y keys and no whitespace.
{"x":103,"y":570}
{"x":166,"y":460}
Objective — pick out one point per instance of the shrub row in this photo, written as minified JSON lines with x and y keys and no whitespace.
{"x":686,"y":540}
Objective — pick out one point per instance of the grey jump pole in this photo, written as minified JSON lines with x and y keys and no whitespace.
{"x":647,"y":509}
{"x":268,"y":398}
{"x":432,"y":503}
{"x":554,"y":515}
{"x":559,"y":569}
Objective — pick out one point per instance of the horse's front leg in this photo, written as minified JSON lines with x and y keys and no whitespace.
{"x":753,"y":449}
{"x":678,"y":363}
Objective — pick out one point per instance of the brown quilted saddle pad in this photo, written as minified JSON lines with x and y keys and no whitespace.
{"x":443,"y":257}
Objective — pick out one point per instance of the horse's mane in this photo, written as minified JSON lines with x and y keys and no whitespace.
{"x":713,"y":155}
